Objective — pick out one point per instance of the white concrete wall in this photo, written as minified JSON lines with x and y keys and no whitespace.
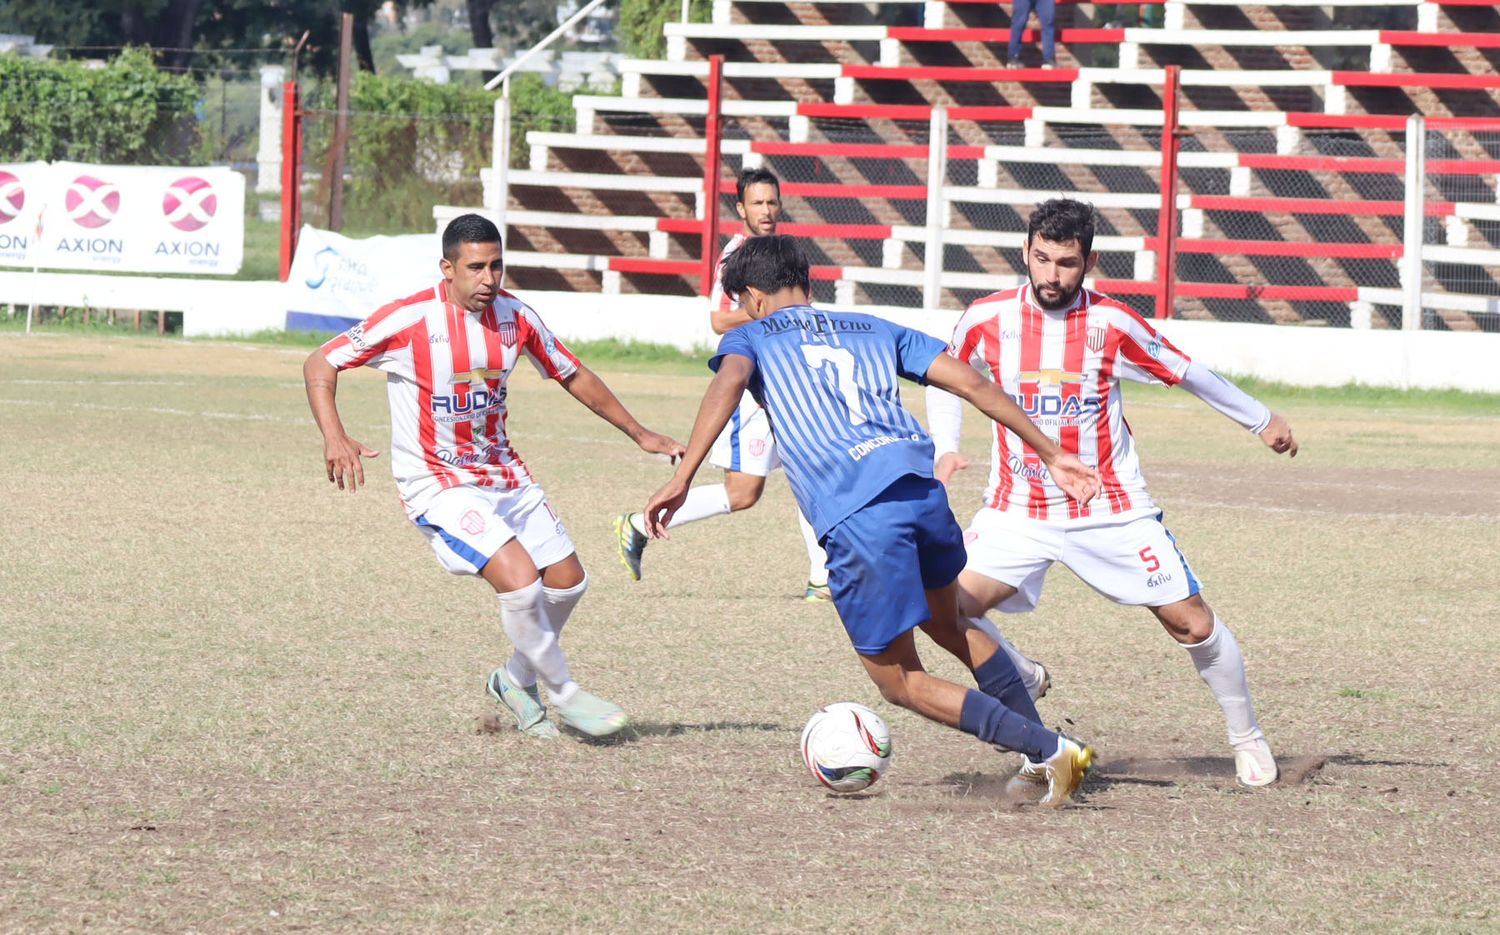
{"x":209,"y":306}
{"x":1302,"y":356}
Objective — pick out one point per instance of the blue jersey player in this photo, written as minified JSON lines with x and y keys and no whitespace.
{"x":860,"y":467}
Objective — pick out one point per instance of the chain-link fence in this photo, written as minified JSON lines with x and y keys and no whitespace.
{"x":615,"y":207}
{"x":396,"y":168}
{"x":1461,"y":253}
{"x":1290,"y":235}
{"x":1275,"y":225}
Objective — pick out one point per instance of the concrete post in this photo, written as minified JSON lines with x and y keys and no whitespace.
{"x":1415,"y":218}
{"x":268,"y":154}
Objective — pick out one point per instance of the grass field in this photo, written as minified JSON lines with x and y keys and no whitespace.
{"x":235,"y":699}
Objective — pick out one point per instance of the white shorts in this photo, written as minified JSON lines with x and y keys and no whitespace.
{"x":1133,"y":562}
{"x":746,"y":444}
{"x":467,"y":525}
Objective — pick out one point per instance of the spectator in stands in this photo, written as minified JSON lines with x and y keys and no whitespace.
{"x":1046,"y":15}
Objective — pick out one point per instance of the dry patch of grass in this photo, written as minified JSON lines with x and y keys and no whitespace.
{"x":235,"y":699}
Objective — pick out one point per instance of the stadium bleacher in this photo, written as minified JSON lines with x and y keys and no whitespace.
{"x":1291,"y":171}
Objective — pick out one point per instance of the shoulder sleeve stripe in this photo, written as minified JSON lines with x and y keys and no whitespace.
{"x":542,"y":346}
{"x":383,"y":330}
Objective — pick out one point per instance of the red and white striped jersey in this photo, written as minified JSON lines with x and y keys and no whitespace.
{"x":717,"y":299}
{"x":1064,"y":369}
{"x":446,"y":371}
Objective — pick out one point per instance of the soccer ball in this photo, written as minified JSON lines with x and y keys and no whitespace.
{"x":846,"y":746}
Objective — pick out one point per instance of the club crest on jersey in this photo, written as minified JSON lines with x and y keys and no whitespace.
{"x":507,"y":332}
{"x":1095,"y":339}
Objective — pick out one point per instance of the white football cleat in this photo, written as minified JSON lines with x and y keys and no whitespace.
{"x":1044,"y":684}
{"x":1254,"y":766}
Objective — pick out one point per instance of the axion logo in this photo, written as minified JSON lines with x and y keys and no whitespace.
{"x":189,"y":203}
{"x":12,"y":197}
{"x":92,"y":202}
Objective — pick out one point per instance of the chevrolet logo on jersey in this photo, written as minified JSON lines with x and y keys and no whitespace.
{"x":477,"y":376}
{"x":1049,"y":377}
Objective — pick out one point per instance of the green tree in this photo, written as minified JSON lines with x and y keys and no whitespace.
{"x":640,"y":24}
{"x":185,"y":31}
{"x":126,"y":112}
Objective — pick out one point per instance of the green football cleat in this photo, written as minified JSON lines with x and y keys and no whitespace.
{"x":524,"y":703}
{"x":591,"y":715}
{"x":631,"y":545}
{"x":818,"y":593}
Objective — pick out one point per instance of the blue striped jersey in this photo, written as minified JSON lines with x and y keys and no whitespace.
{"x":828,"y":382}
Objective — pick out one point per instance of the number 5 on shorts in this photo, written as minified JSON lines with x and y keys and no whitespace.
{"x":1152,"y":562}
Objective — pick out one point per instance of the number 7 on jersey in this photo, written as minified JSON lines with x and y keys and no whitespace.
{"x":842,"y":361}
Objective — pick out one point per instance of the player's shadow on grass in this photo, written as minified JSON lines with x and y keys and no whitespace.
{"x":1196,"y":770}
{"x":498,"y":724}
{"x":677,"y":728}
{"x":1354,"y":759}
{"x":644,"y":729}
{"x":1163,"y":772}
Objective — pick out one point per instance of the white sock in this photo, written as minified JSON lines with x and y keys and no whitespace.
{"x":702,"y":502}
{"x":817,"y":559}
{"x":1030,"y":672}
{"x":557,"y":604}
{"x":523,"y":616}
{"x":1222,"y":667}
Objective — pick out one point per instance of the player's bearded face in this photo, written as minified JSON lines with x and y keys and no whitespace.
{"x":474,"y":275}
{"x":1056,"y":270}
{"x":760,"y":209}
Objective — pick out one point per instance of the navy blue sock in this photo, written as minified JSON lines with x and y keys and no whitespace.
{"x":992,"y":722}
{"x":998,"y":678}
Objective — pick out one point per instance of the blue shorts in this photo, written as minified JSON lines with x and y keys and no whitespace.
{"x":885,"y":556}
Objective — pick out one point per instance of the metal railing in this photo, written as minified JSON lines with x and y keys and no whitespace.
{"x":497,"y":191}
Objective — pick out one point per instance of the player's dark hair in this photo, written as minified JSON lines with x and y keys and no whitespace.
{"x":468,"y":228}
{"x":755,"y":177}
{"x":1061,"y":220}
{"x":769,"y":263}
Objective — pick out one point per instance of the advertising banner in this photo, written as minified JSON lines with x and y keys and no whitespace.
{"x":136,"y":219}
{"x":21,"y":187}
{"x":337,"y":281}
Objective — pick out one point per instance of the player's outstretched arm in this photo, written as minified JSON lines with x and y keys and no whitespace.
{"x":585,"y":386}
{"x":1278,"y":436}
{"x":719,"y":403}
{"x":341,"y":453}
{"x":1076,"y":479}
{"x":1237,"y":405}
